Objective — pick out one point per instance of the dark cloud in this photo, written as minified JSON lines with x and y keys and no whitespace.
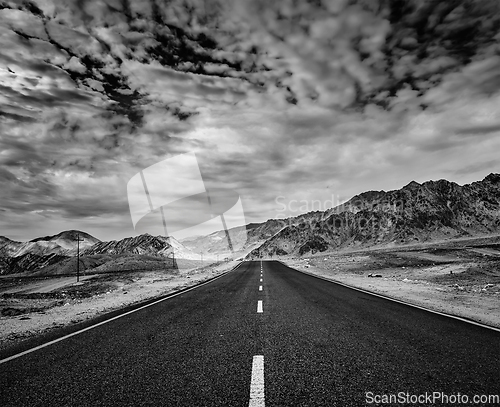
{"x":486,"y":129}
{"x":16,"y":117}
{"x":6,"y":175}
{"x":429,"y":39}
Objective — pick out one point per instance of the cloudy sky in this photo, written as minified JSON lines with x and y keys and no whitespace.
{"x":281,"y":101}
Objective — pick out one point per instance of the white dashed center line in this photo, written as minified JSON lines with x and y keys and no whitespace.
{"x":257,"y":398}
{"x":261,"y":280}
{"x":259,"y":306}
{"x":260,"y":288}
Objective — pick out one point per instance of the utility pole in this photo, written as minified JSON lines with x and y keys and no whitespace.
{"x":174,"y":262}
{"x":78,"y":256}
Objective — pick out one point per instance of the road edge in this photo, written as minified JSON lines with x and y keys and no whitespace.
{"x":457,"y":317}
{"x":110,"y":316}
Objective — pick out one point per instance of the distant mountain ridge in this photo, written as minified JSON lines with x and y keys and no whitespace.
{"x":415,"y":213}
{"x":49,"y":251}
{"x":143,"y":244}
{"x":62,"y":243}
{"x":18,"y":257}
{"x":244,"y":238}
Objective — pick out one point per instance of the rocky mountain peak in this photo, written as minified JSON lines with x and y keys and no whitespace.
{"x":493,"y":178}
{"x":412,"y":186}
{"x":434,"y":210}
{"x":69,"y":236}
{"x":42,"y":252}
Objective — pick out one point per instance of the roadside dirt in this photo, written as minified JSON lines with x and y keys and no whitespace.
{"x":26,"y":313}
{"x":45,"y":285}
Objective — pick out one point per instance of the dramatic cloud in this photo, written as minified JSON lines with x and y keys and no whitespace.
{"x":290,"y":99}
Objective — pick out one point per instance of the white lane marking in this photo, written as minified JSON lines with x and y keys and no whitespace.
{"x":399,"y":301}
{"x":259,"y":306}
{"x":111,"y":319}
{"x":257,"y":398}
{"x":260,"y":288}
{"x":261,"y":280}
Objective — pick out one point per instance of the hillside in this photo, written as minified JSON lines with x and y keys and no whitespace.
{"x":243,"y":239}
{"x":145,"y":245}
{"x":415,"y":213}
{"x":64,"y":243}
{"x":56,"y":254}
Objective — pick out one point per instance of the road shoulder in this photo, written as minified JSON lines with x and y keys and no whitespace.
{"x":480,"y":305}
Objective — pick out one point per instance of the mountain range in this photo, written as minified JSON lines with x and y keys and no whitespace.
{"x":433,"y":210}
{"x":57,"y":254}
{"x":430,"y":211}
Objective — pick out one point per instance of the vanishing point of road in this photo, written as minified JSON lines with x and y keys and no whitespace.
{"x":260,"y":335}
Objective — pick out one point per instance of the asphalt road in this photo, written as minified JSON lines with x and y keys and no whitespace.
{"x":322,"y":345}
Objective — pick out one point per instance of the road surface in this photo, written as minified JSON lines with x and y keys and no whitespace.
{"x":275,"y":337}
